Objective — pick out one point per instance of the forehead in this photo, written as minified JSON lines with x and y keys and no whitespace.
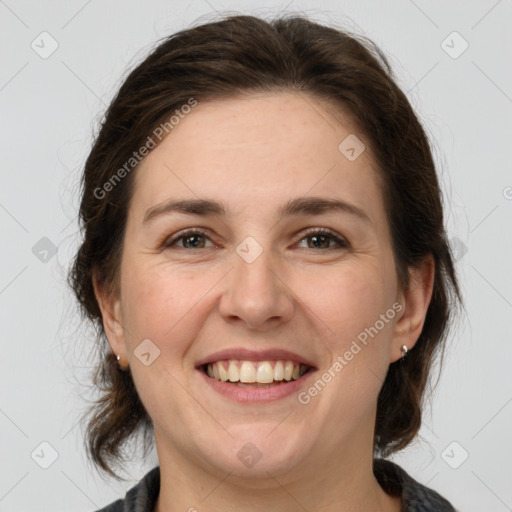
{"x":251,"y":149}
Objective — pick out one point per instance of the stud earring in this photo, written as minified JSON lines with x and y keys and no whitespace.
{"x":118,"y":357}
{"x":404,"y":350}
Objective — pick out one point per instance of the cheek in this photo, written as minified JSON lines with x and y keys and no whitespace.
{"x":353,"y":303}
{"x":347,"y":304}
{"x":346,"y":300}
{"x":158,"y":305}
{"x":151,"y":303}
{"x":164,"y":304}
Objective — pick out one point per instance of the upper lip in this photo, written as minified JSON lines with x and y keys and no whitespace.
{"x":243,"y":354}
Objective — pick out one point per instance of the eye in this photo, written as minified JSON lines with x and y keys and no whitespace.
{"x":321,"y":238}
{"x":192,"y":239}
{"x":196,"y":239}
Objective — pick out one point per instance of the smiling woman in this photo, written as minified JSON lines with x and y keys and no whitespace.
{"x":272,"y":282}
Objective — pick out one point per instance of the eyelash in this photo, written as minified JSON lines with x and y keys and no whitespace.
{"x":309,"y":233}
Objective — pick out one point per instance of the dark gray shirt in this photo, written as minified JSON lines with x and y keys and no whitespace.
{"x":391,"y":477}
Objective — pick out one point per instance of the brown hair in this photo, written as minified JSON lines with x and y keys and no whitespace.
{"x":241,"y":55}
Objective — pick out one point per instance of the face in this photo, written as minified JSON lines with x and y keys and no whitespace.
{"x":315,"y":280}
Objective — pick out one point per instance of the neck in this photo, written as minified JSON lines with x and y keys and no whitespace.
{"x":323,"y":483}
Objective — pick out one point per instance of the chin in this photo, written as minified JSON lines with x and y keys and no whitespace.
{"x":255,"y":450}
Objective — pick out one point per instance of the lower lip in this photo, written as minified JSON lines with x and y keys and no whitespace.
{"x":248,"y":395}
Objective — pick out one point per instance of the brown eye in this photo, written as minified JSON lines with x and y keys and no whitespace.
{"x":192,"y":239}
{"x":322,"y":239}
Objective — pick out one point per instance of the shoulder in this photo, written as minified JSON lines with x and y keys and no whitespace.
{"x":141,"y":497}
{"x":416,"y":497}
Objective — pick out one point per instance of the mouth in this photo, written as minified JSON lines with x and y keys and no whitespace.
{"x":255,"y":374}
{"x":254,"y":377}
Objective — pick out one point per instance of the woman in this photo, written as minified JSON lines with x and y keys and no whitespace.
{"x":265,"y":258}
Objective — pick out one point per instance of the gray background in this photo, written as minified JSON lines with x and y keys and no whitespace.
{"x":50,"y":107}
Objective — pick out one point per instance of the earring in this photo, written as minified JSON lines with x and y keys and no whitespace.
{"x":404,"y":350}
{"x":118,"y":357}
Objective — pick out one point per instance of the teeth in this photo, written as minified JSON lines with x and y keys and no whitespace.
{"x":233,"y":372}
{"x":247,"y":372}
{"x":288,"y":370}
{"x":222,"y":372}
{"x":263,"y":372}
{"x":279,"y":371}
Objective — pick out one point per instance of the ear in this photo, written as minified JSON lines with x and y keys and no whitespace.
{"x":415,"y":301}
{"x":110,"y":306}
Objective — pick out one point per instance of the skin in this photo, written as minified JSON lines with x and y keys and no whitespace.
{"x":253,"y":154}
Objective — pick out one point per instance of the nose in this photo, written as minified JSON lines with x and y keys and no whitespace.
{"x":256,"y":294}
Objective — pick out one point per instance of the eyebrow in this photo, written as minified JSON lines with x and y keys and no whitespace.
{"x":294,"y":207}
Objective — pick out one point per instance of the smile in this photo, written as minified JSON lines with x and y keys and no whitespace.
{"x":264,"y":373}
{"x":249,"y":382}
